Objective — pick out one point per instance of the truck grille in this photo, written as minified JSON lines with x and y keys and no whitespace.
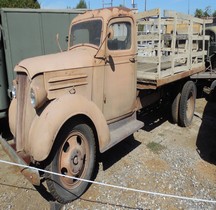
{"x":25,"y":112}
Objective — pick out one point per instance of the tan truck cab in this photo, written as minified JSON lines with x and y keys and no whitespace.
{"x":69,"y":106}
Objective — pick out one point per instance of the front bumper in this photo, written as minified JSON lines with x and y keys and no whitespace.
{"x":31,"y":174}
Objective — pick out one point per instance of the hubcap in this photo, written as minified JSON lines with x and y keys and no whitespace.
{"x":73,"y":159}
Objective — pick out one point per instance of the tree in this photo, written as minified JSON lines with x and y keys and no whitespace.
{"x":19,"y":4}
{"x":207,"y":12}
{"x":198,"y":13}
{"x":81,"y":4}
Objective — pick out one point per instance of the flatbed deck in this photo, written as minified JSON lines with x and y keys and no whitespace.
{"x":143,"y":83}
{"x":169,"y":47}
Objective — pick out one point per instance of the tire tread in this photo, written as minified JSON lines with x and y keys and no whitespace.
{"x":49,"y":177}
{"x":187,"y":88}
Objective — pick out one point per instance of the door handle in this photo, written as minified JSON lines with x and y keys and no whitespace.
{"x":132,"y":60}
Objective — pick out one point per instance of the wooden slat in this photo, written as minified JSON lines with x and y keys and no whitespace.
{"x":147,"y":76}
{"x":149,"y":13}
{"x":178,"y":76}
{"x":169,"y":13}
{"x":147,"y":37}
{"x":142,"y":59}
{"x":197,"y":65}
{"x":199,"y":53}
{"x":198,"y":37}
{"x":178,"y":36}
{"x":177,"y":50}
{"x":149,"y":22}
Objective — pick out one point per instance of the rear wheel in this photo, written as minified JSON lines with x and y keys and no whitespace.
{"x":75,"y":157}
{"x":175,"y":108}
{"x":187,"y":104}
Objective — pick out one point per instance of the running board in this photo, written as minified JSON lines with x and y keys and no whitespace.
{"x":122,"y":129}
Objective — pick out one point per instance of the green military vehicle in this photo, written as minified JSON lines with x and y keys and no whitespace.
{"x":26,"y":33}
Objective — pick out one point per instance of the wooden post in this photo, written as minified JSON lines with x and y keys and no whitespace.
{"x":159,"y":46}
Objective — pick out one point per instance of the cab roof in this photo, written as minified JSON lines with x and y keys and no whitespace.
{"x":105,"y":13}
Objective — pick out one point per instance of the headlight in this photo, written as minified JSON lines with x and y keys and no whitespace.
{"x":13,"y":91}
{"x":33,"y":98}
{"x":38,"y":94}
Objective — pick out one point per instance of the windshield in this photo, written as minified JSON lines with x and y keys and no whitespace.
{"x":88,"y":32}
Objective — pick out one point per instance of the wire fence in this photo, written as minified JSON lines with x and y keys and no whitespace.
{"x":114,"y":186}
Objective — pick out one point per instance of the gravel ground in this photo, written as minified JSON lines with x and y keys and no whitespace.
{"x":161,"y":157}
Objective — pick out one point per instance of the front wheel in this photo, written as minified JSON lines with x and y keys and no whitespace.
{"x":187,"y":104}
{"x":75,"y":156}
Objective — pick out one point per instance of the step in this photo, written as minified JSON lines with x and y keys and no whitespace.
{"x":121,"y":129}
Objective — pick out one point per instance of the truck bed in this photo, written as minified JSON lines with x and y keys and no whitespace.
{"x":169,"y":48}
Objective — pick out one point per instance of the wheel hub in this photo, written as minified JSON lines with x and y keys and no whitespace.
{"x":76,"y":162}
{"x":73,"y":158}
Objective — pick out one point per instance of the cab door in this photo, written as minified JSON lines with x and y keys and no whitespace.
{"x":120,"y":72}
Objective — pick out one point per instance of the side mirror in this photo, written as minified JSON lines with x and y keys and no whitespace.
{"x":100,"y":54}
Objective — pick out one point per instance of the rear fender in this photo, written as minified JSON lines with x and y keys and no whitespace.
{"x":46,"y":126}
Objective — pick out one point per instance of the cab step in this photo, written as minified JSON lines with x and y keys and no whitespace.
{"x":122,"y":129}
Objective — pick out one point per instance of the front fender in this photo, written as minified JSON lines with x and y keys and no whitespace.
{"x":46,"y":126}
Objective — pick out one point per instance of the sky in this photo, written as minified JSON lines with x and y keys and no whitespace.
{"x":184,"y":6}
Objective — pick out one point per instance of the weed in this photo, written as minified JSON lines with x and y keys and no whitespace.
{"x":155,"y":147}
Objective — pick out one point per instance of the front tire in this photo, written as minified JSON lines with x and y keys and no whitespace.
{"x":75,"y":156}
{"x":187,"y":104}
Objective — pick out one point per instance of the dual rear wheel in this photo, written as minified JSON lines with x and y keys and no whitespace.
{"x":183,"y":105}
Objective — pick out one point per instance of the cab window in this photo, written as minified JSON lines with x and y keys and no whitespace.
{"x":88,"y":32}
{"x":122,"y":36}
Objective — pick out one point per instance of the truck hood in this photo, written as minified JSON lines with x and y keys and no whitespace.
{"x":79,"y":57}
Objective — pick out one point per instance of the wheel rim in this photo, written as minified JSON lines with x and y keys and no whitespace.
{"x":73,"y":159}
{"x":190,"y":106}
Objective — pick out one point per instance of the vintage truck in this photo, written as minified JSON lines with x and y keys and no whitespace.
{"x":68,"y":107}
{"x":26,"y":33}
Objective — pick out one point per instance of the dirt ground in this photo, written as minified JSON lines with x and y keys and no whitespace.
{"x":161,"y":157}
